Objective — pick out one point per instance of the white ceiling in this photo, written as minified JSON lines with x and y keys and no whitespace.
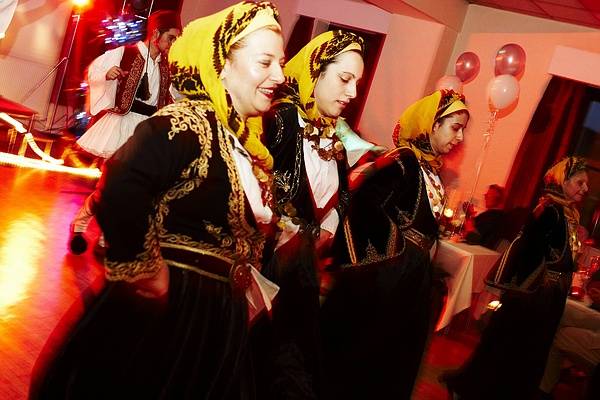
{"x":580,"y":12}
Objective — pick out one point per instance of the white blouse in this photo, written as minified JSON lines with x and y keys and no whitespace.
{"x":262,"y":212}
{"x":262,"y":291}
{"x":323,"y":179}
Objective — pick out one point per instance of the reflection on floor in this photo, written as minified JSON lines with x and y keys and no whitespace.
{"x":449,"y":348}
{"x":43,"y":288}
{"x":39,"y":280}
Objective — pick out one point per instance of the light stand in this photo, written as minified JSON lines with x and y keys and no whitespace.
{"x":61,"y":75}
{"x":56,"y":93}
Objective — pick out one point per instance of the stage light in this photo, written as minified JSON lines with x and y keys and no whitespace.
{"x":20,"y":161}
{"x":29,"y":139}
{"x":80,"y":3}
{"x":18,"y":126}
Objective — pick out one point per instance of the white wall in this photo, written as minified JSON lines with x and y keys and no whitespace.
{"x":485,"y":31}
{"x":405,"y":67}
{"x":30,"y":50}
{"x":356,"y":14}
{"x":192,"y":9}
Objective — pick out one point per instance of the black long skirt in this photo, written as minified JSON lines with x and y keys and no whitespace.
{"x":193,"y":345}
{"x":374,"y":326}
{"x":287,"y":345}
{"x":509,"y":361}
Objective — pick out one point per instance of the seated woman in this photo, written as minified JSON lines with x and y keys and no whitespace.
{"x":509,"y":361}
{"x":184,"y":209}
{"x":375,"y":319}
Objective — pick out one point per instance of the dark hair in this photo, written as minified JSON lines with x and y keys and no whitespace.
{"x":499,"y":189}
{"x":162,"y":21}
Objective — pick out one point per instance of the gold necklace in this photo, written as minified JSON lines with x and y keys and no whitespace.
{"x":435,"y":192}
{"x":335,"y":149}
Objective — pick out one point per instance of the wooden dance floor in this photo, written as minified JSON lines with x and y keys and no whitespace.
{"x":43,"y":288}
{"x":41,"y":284}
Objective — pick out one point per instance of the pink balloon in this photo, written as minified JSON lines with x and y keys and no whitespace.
{"x":502,"y":91}
{"x":510,"y":60}
{"x":449,"y":82}
{"x":467,"y":66}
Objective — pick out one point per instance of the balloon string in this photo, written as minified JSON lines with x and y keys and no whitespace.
{"x":486,"y":140}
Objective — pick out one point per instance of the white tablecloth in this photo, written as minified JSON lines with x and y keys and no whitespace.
{"x":586,"y":256}
{"x":467,"y":265}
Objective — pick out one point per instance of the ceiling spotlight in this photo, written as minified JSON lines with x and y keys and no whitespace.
{"x":80,"y":3}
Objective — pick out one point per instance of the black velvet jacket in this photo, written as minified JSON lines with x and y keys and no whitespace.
{"x":386,"y":210}
{"x":544,"y":237}
{"x":284,"y":140}
{"x":174,"y":188}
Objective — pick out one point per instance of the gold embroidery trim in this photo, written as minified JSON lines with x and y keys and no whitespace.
{"x":249,"y":242}
{"x":197,"y":250}
{"x":183,"y":116}
{"x":164,"y":97}
{"x":131,"y":84}
{"x":350,"y":241}
{"x":196,"y":270}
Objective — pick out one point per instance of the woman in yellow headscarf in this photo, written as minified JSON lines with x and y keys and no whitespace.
{"x":185,"y":208}
{"x":376,"y":317}
{"x":310,"y":177}
{"x":510,"y":359}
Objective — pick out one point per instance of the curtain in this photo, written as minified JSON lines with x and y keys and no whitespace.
{"x":552,"y":134}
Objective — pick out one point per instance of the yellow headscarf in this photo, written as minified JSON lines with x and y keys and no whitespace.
{"x":414,"y":127}
{"x":554,"y":178}
{"x":303,"y":70}
{"x":553,"y":192}
{"x":198,"y":56}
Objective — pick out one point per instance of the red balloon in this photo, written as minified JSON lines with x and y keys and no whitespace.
{"x":467,"y":66}
{"x":510,"y":60}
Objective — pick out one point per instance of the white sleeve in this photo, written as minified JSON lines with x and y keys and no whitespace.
{"x":330,"y":221}
{"x":7,"y":10}
{"x":102,"y":93}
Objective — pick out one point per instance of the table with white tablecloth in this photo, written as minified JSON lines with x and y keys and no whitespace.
{"x":467,"y":266}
